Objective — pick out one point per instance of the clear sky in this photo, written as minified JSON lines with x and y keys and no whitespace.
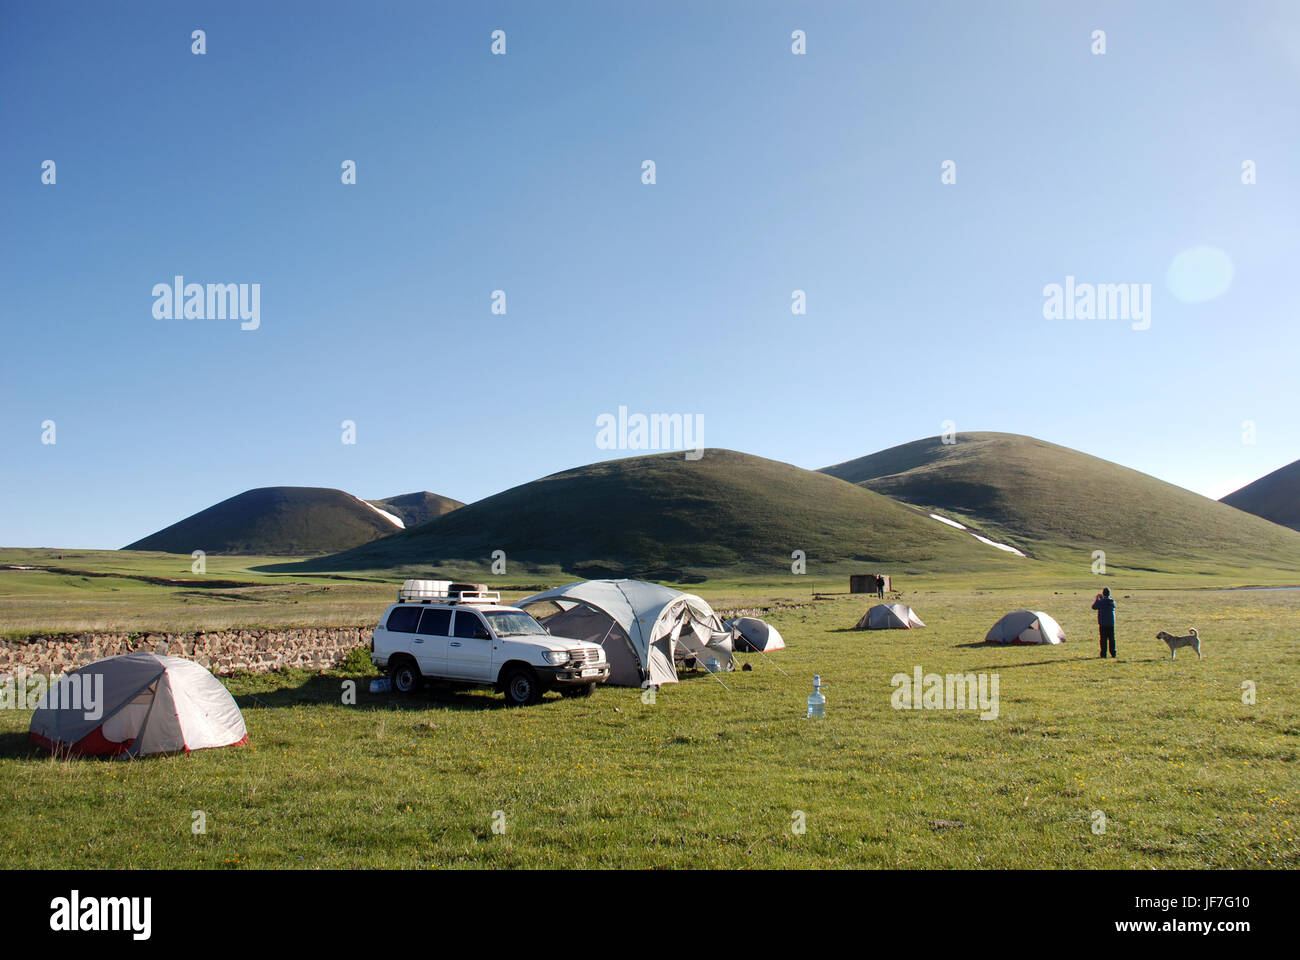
{"x":774,"y":172}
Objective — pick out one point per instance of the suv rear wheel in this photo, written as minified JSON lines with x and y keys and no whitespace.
{"x":521,"y":687}
{"x":405,"y":676}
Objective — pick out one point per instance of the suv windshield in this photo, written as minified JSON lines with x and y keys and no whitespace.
{"x":513,"y":623}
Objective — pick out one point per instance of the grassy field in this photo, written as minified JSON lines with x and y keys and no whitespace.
{"x":111,"y":590}
{"x":1184,"y":772}
{"x":77,"y":591}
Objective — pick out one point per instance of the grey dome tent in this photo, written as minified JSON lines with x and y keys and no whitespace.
{"x":644,"y":627}
{"x":889,"y":616}
{"x":751,"y":633}
{"x":1026,"y":627}
{"x":137,"y":704}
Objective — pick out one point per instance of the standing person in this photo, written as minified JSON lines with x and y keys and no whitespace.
{"x":1105,"y":607}
{"x":880,"y":586}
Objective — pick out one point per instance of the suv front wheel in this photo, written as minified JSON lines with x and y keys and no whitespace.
{"x":521,"y":687}
{"x":405,"y":676}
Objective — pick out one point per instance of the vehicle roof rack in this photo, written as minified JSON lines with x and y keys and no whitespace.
{"x":446,"y":591}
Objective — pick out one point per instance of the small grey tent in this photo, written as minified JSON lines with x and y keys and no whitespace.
{"x":889,"y":616}
{"x":1026,"y":627}
{"x":751,"y":633}
{"x":137,"y":704}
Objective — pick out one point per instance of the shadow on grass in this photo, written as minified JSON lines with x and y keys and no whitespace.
{"x":1062,"y":661}
{"x":19,"y":746}
{"x":1030,"y":663}
{"x":327,"y":690}
{"x":985,"y":645}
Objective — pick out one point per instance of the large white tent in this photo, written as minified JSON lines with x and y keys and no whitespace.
{"x":644,"y":627}
{"x":1026,"y":627}
{"x":137,"y":704}
{"x":889,"y":616}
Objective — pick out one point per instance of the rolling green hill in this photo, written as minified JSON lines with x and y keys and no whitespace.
{"x":414,"y":509}
{"x":1057,"y":503}
{"x":668,"y":518}
{"x":275,"y":521}
{"x":1274,"y":497}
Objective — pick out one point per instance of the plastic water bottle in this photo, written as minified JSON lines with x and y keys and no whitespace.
{"x":816,"y":699}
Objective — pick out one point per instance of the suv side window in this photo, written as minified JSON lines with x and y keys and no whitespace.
{"x":469,"y":626}
{"x":435,"y":623}
{"x":403,"y":619}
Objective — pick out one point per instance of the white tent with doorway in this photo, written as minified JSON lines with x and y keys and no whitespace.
{"x":1026,"y":627}
{"x":644,"y":627}
{"x":135,"y":705}
{"x":889,"y":616}
{"x":751,"y":633}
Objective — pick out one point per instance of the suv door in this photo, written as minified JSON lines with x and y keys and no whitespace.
{"x":430,"y":641}
{"x":398,"y":628}
{"x":469,"y":652}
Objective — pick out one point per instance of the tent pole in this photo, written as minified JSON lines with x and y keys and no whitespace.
{"x":771,"y":661}
{"x":761,"y":653}
{"x":696,"y":657}
{"x":719,"y":679}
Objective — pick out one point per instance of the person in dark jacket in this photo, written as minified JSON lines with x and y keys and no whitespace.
{"x":1105,"y":607}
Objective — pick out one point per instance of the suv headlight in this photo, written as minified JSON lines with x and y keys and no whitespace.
{"x":555,"y":656}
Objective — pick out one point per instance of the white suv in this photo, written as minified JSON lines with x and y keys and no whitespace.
{"x":469,"y":637}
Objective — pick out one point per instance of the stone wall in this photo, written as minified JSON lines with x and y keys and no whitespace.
{"x":222,"y":651}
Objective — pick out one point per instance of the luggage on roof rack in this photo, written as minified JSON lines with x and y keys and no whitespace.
{"x":425,"y":590}
{"x":446,"y":591}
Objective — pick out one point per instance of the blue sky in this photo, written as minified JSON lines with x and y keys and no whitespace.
{"x":522,"y":172}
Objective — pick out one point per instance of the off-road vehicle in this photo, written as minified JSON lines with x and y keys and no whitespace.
{"x":438,"y":631}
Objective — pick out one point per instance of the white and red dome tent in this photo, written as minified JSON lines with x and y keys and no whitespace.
{"x":135,"y":705}
{"x":1026,"y":627}
{"x":889,"y":616}
{"x":752,"y":633}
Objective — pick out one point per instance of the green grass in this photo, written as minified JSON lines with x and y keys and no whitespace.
{"x":1186,"y":774}
{"x":1060,"y":504}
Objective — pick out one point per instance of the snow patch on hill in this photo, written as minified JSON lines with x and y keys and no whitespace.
{"x":1001,"y":546}
{"x":951,"y":523}
{"x":396,"y":521}
{"x":992,"y":543}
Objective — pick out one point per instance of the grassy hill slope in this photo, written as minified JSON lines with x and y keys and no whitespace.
{"x":416,"y":508}
{"x":1274,"y":497}
{"x":1058,"y":503}
{"x":665,"y":517}
{"x":279,"y":521}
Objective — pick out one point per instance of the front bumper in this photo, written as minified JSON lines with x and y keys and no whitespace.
{"x":568,"y":675}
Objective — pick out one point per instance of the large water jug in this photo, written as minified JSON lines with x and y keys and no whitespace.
{"x":817,"y":699}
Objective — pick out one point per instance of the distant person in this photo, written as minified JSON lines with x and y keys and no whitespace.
{"x":1105,"y":607}
{"x":880,"y":587}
